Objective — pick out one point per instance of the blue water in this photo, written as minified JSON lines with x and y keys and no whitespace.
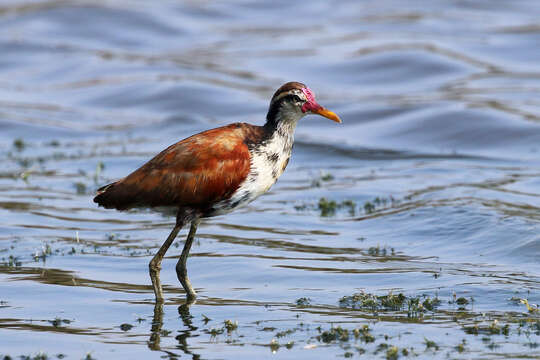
{"x":441,"y":123}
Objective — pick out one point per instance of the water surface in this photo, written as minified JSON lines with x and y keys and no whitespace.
{"x":437,"y":162}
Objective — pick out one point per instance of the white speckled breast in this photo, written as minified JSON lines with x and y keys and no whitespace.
{"x":268,"y":161}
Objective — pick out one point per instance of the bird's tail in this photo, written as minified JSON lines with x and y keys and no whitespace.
{"x":109,"y":197}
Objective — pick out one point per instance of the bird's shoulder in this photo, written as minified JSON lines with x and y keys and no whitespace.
{"x":231,"y":142}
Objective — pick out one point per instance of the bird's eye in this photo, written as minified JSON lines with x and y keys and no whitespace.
{"x":297,"y":98}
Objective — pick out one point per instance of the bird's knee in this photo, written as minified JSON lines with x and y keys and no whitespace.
{"x":154,"y":266}
{"x":181,"y":270}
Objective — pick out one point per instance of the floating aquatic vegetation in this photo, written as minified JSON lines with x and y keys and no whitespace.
{"x":126,"y":327}
{"x":303,"y":301}
{"x":230,"y":325}
{"x":42,"y":254}
{"x":378,"y":251}
{"x":392,"y":353}
{"x":431,"y":344}
{"x":19,"y":144}
{"x":367,"y":301}
{"x":364,"y":334}
{"x":334,"y":334}
{"x":329,"y":207}
{"x":285,"y":333}
{"x":11,"y":261}
{"x":492,"y":328}
{"x":532,"y":308}
{"x":462,"y":301}
{"x":323,"y":177}
{"x":80,"y":187}
{"x":415,"y":306}
{"x":57,"y":322}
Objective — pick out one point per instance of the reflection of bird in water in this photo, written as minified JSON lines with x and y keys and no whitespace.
{"x":185,"y":315}
{"x":157,"y":325}
{"x":154,"y":343}
{"x":214,"y":172}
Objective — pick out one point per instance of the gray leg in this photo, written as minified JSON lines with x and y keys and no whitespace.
{"x":181,"y":269}
{"x":155,"y":263}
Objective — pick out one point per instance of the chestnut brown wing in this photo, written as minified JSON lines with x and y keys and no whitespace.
{"x":195,"y":172}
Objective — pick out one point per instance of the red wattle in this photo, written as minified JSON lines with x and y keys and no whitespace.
{"x":311,"y":104}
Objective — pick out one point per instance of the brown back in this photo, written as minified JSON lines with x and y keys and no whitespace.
{"x":193,"y":173}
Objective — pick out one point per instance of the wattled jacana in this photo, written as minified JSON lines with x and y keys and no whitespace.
{"x":214,"y":172}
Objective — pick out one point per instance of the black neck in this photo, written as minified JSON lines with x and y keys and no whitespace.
{"x":274,"y":116}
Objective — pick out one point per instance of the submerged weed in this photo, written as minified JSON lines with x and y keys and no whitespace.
{"x":334,"y":334}
{"x":89,"y":357}
{"x":285,"y":333}
{"x":361,"y":300}
{"x":389,"y":302}
{"x":25,"y":176}
{"x":46,"y":251}
{"x":12,"y":261}
{"x":462,"y":301}
{"x":327,"y":207}
{"x":230,"y":325}
{"x":392,"y":353}
{"x":430,"y":304}
{"x":392,"y":302}
{"x":324,"y":177}
{"x":57,"y":322}
{"x":416,"y":306}
{"x":350,"y":205}
{"x":364,"y":334}
{"x":493,"y":328}
{"x":126,"y":327}
{"x":461,"y":346}
{"x":381,"y":347}
{"x":274,"y":346}
{"x":39,"y":356}
{"x":378,"y":251}
{"x":431,"y":344}
{"x":206,"y":319}
{"x":530,"y":308}
{"x":100,"y":166}
{"x":80,"y":187}
{"x":303,"y":301}
{"x":19,"y":144}
{"x":327,"y":177}
{"x":216,"y":331}
{"x":369,"y":207}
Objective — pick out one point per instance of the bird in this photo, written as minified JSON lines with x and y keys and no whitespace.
{"x":213,"y":172}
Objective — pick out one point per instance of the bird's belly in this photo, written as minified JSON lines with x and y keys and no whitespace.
{"x":263,"y":174}
{"x":248,"y":191}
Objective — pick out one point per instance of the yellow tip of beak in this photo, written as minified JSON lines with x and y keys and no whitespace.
{"x":327,"y":114}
